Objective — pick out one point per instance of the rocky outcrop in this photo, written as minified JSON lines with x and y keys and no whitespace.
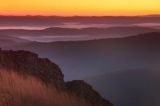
{"x":27,"y":63}
{"x":84,"y":90}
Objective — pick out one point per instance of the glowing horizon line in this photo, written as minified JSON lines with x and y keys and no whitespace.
{"x":34,"y":15}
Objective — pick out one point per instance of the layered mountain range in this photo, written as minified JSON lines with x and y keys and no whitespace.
{"x":119,"y":68}
{"x":53,"y":34}
{"x":57,"y":20}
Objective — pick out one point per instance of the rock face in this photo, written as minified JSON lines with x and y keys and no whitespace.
{"x":82,"y":89}
{"x":27,"y":63}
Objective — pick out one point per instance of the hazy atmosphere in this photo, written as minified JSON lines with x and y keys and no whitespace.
{"x":84,"y":53}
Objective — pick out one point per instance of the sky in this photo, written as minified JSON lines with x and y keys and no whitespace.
{"x":79,"y":7}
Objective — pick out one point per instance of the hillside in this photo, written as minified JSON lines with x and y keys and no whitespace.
{"x":27,"y":80}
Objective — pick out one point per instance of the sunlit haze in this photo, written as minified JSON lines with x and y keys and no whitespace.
{"x":79,"y":7}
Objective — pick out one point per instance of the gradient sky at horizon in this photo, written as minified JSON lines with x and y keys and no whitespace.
{"x":79,"y":7}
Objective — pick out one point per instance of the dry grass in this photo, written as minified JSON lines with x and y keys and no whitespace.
{"x":18,"y":90}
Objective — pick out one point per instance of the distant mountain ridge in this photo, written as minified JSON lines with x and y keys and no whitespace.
{"x":136,"y":45}
{"x":6,"y":40}
{"x":92,"y":32}
{"x":57,"y":20}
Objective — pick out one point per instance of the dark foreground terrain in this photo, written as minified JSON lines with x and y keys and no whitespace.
{"x":27,"y":80}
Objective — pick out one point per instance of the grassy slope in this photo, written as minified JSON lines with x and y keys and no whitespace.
{"x":19,"y":90}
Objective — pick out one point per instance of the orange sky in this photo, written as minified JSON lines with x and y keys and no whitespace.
{"x":79,"y":7}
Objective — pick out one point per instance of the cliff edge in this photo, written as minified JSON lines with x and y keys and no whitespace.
{"x":29,"y":66}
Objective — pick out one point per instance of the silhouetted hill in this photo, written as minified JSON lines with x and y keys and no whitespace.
{"x":101,"y":31}
{"x":82,"y":89}
{"x":153,"y":15}
{"x":29,"y":63}
{"x":56,"y":20}
{"x":6,"y":40}
{"x":57,"y":31}
{"x":22,"y":71}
